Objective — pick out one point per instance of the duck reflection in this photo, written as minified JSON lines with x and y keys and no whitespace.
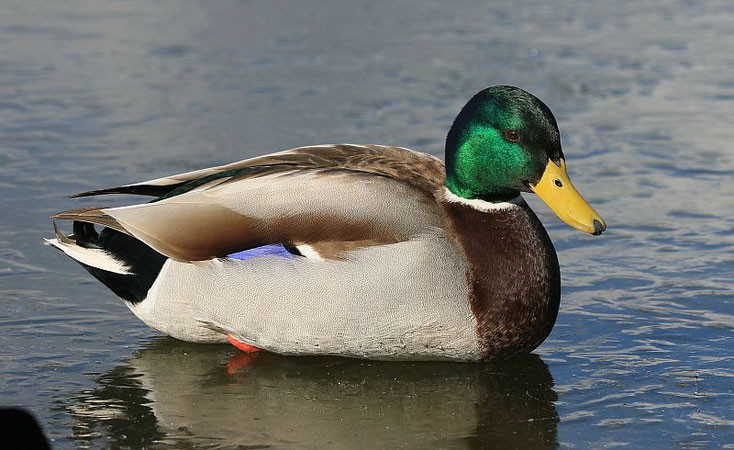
{"x":181,"y":394}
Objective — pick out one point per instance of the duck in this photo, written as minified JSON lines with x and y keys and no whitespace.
{"x":363,"y":251}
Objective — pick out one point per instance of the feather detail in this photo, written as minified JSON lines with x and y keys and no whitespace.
{"x":424,"y":172}
{"x":92,"y":257}
{"x":90,"y":215}
{"x":332,"y":198}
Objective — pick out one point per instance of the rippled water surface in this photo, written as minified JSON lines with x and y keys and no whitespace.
{"x":94,"y":94}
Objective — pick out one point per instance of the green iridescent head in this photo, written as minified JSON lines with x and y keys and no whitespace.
{"x":500,"y":144}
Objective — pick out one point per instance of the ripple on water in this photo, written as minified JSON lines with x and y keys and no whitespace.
{"x":109,"y":93}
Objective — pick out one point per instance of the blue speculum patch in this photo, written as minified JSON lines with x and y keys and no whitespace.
{"x":270,"y":249}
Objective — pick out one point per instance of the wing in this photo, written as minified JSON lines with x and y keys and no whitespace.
{"x":332,"y":198}
{"x":421,"y":170}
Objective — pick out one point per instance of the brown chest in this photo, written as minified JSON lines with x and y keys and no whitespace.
{"x":512,"y":274}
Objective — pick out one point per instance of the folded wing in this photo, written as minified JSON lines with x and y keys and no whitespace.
{"x":332,"y":198}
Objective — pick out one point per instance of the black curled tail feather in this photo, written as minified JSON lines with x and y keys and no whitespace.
{"x":145,"y":263}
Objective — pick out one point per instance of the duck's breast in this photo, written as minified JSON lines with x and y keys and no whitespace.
{"x":512,"y":274}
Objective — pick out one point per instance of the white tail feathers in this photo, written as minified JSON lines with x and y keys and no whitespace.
{"x":94,"y":257}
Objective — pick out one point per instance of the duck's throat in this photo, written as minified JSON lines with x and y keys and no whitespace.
{"x":512,"y":274}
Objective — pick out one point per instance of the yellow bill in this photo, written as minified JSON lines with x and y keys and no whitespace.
{"x":556,"y":190}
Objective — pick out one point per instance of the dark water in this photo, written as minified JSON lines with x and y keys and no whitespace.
{"x":102,"y":93}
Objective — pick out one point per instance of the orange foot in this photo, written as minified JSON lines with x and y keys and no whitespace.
{"x":241,"y":345}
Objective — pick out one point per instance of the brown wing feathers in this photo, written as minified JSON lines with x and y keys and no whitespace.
{"x":420,"y":170}
{"x":191,"y":225}
{"x":90,"y":215}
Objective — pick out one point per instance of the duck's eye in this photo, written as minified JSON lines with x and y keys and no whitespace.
{"x":558,"y":182}
{"x":512,"y":135}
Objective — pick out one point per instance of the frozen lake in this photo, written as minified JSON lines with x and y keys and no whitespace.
{"x":95,"y":94}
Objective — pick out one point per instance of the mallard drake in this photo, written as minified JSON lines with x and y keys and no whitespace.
{"x":364,"y":251}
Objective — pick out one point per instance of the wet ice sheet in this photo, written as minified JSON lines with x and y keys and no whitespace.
{"x":96,"y":94}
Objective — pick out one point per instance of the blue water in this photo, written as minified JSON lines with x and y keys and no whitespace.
{"x":95,"y":94}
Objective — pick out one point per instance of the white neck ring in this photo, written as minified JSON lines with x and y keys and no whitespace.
{"x":482,"y":205}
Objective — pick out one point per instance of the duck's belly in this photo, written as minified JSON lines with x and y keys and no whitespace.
{"x":173,"y":316}
{"x":400,"y":301}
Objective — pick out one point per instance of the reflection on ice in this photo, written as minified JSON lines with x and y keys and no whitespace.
{"x":170,"y":392}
